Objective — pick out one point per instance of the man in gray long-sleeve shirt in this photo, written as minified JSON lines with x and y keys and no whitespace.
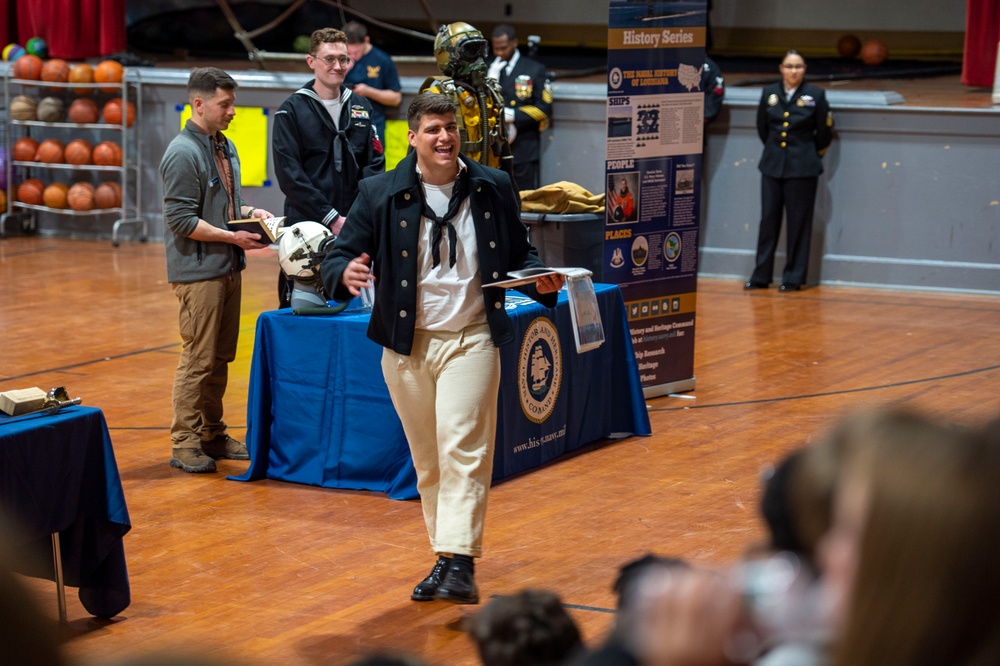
{"x":201,"y":192}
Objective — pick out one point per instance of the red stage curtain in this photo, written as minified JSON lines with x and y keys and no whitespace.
{"x":74,"y":29}
{"x":8,"y":27}
{"x":982,"y":32}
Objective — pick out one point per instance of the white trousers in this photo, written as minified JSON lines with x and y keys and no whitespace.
{"x":445,"y":393}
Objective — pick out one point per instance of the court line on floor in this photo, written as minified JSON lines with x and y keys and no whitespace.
{"x":826,"y":394}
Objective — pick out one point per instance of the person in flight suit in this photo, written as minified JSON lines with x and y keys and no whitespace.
{"x":796,"y":126}
{"x":528,"y":95}
{"x":460,"y":52}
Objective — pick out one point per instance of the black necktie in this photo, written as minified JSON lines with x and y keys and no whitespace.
{"x":338,"y":151}
{"x":458,"y":195}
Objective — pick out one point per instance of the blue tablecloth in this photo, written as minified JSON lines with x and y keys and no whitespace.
{"x":58,"y":474}
{"x":319,"y":413}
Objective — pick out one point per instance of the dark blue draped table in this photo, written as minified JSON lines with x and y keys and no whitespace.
{"x":319,"y":413}
{"x":58,"y":475}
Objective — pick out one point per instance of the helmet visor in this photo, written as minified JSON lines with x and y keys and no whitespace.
{"x":472,"y":49}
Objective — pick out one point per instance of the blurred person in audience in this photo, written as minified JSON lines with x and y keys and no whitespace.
{"x":796,"y":501}
{"x":909,"y":571}
{"x":911,"y":561}
{"x":530,"y":628}
{"x":617,"y":647}
{"x":27,"y":636}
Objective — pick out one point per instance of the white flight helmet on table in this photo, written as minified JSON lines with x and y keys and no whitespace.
{"x":301,"y":249}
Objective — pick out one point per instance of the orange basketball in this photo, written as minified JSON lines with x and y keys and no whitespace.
{"x":82,"y":73}
{"x":83,"y":110}
{"x":113,"y":112}
{"x":81,"y":196}
{"x":50,"y":151}
{"x":28,"y":67}
{"x":3,"y":200}
{"x":55,"y":195}
{"x":107,"y":153}
{"x":25,"y":149}
{"x":108,"y":195}
{"x":874,"y":52}
{"x":55,"y":70}
{"x":78,"y":152}
{"x":30,"y":192}
{"x":849,"y":46}
{"x":109,"y":71}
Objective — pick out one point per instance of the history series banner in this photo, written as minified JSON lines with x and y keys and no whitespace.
{"x":656,"y":51}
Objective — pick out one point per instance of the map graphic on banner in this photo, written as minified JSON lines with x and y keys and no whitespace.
{"x":655,"y":127}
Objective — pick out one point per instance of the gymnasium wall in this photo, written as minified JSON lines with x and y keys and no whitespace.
{"x":909,"y":199}
{"x":765,"y":27}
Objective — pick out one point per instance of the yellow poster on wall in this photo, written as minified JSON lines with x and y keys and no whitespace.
{"x":396,"y":143}
{"x":248,"y":132}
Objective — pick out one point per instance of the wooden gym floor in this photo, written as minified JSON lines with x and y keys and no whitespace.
{"x":270,"y":572}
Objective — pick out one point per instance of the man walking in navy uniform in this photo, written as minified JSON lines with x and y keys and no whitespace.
{"x":429,"y":236}
{"x":527,"y":95}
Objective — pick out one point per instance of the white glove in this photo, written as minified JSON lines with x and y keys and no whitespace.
{"x":508,"y":115}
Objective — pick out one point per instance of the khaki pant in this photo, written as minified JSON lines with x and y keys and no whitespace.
{"x":209,"y":326}
{"x":445,"y":393}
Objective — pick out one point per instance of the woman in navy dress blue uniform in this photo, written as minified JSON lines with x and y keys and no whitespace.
{"x":796,"y":126}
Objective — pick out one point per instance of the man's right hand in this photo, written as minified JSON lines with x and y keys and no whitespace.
{"x":247,"y":240}
{"x":358,"y":275}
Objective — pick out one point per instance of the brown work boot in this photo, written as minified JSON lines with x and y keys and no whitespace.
{"x":226,"y":447}
{"x":192,"y":460}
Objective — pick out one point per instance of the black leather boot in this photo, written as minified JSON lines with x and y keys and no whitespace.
{"x":459,"y":583}
{"x":428,"y":587}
